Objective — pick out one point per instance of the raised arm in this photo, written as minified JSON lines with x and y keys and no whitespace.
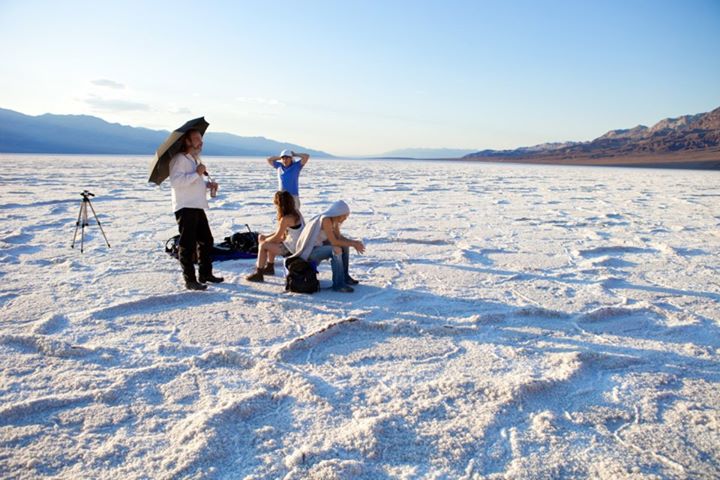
{"x":271,"y":160}
{"x":304,"y":157}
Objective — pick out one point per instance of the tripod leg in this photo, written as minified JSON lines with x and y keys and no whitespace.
{"x":98,"y":222}
{"x":77,"y":225}
{"x":82,"y":235}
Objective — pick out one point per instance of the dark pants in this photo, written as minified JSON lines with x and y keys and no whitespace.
{"x":195,"y":236}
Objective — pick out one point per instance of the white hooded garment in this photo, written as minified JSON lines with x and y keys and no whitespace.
{"x":309,"y":235}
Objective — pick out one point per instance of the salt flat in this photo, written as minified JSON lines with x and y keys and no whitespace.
{"x":512,"y":322}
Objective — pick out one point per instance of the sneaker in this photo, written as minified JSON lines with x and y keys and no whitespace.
{"x":269,"y":269}
{"x":351,"y":281}
{"x":256,"y":276}
{"x":344,"y":289}
{"x":193,"y":285}
{"x":211,"y":278}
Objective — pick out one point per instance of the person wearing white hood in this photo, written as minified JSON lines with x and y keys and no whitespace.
{"x":321,"y":239}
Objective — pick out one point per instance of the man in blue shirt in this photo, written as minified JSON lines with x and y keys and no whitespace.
{"x":288,"y":172}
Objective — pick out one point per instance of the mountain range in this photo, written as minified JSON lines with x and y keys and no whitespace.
{"x":426,"y":153}
{"x":83,"y":134}
{"x":687,"y":141}
{"x":690,"y":139}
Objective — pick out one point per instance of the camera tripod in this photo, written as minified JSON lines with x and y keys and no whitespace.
{"x":82,"y":220}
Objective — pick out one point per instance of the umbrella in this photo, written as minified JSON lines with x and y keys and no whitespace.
{"x":160,"y":164}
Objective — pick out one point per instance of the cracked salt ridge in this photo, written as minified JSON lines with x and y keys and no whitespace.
{"x":590,"y":365}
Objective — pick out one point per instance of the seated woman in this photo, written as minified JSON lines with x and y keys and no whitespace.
{"x":321,"y":239}
{"x":283,"y":241}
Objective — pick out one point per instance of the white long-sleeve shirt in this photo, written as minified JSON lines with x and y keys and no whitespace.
{"x":188,"y":188}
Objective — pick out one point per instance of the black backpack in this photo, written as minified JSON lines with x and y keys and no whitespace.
{"x":243,"y":241}
{"x":172,"y":248}
{"x":301,"y":276}
{"x":238,"y":246}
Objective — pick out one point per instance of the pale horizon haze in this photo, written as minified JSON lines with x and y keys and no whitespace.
{"x":363,"y":78}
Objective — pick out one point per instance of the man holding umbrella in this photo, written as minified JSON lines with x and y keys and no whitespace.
{"x":189,"y":200}
{"x":179,"y":158}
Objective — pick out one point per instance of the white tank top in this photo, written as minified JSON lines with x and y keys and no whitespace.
{"x":321,"y":238}
{"x":291,"y":237}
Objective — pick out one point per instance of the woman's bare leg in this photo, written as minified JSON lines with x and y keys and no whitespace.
{"x":262,"y":255}
{"x":273,"y":250}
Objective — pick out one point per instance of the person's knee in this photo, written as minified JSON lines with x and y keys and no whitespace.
{"x":337,"y":250}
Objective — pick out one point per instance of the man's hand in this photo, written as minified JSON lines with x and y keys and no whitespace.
{"x":358,"y":246}
{"x":201,"y":169}
{"x":304,"y":157}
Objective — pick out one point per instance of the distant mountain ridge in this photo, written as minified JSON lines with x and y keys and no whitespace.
{"x":84,"y":134}
{"x":682,"y":140}
{"x":694,"y":135}
{"x":421,"y":153}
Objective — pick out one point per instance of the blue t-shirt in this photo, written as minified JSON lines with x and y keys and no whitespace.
{"x":288,"y":177}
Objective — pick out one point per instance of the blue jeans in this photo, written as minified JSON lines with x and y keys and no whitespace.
{"x":338,"y":262}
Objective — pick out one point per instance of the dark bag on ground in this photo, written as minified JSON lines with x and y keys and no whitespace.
{"x":238,"y":246}
{"x":301,"y":276}
{"x":243,"y":242}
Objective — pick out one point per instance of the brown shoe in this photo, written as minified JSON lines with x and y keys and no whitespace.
{"x":269,"y":269}
{"x":256,"y":276}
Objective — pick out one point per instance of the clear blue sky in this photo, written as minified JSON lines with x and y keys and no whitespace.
{"x":364,"y":77}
